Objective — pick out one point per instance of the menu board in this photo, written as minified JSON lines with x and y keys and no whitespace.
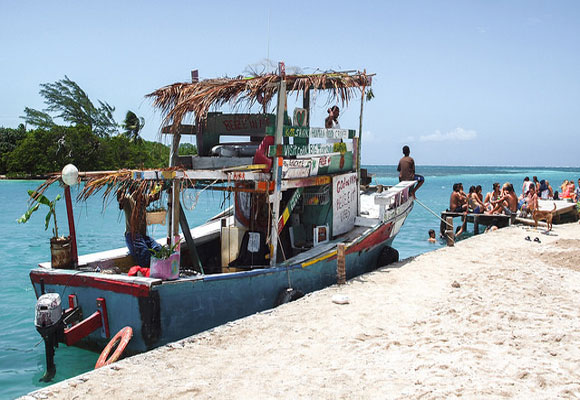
{"x":344,"y":203}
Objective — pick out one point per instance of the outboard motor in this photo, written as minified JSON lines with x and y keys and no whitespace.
{"x":49,"y":323}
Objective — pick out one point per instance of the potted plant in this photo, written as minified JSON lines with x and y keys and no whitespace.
{"x":60,"y":246}
{"x":165,"y":261}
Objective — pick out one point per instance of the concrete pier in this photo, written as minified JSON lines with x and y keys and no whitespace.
{"x":496,"y":315}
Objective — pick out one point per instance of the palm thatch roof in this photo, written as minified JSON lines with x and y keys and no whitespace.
{"x":179,"y":99}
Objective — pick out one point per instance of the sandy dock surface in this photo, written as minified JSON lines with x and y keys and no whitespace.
{"x":496,"y":316}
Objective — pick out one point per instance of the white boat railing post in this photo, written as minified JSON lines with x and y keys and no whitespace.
{"x":277,"y":167}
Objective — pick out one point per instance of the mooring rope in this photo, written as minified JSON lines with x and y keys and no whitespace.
{"x":433,"y":212}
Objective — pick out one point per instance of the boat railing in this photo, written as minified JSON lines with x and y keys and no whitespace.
{"x":390,"y":202}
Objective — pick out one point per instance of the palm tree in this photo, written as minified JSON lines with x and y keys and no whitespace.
{"x":132,"y":126}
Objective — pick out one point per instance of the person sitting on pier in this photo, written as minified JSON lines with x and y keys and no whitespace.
{"x":494,"y":195}
{"x":531,"y":201}
{"x":536,"y":182}
{"x":474,"y":204}
{"x":508,"y":202}
{"x":406,"y":170}
{"x":478,"y":190}
{"x":526,"y":186}
{"x":458,"y":199}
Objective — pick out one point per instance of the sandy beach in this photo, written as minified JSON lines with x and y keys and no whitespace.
{"x":496,"y":316}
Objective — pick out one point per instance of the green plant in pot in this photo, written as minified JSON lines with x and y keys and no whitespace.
{"x":60,"y":246}
{"x":164,"y":252}
{"x":165,"y":262}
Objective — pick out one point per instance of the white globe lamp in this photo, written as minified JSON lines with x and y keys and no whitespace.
{"x":70,"y":175}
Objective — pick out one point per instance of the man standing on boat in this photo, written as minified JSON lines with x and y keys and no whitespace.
{"x":406,"y":170}
{"x":134,"y":205}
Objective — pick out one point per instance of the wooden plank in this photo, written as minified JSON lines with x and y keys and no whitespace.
{"x":315,"y":133}
{"x":296,"y":168}
{"x":291,"y":204}
{"x":239,"y":124}
{"x":288,"y":150}
{"x":305,"y":182}
{"x":340,"y":264}
{"x":183,"y":129}
{"x":219,"y":162}
{"x":333,"y":163}
{"x":201,"y":175}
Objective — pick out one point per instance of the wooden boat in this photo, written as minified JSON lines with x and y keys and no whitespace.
{"x":298,"y":209}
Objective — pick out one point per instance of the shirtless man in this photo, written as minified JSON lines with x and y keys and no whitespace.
{"x":458,"y":199}
{"x":508,"y":202}
{"x":406,"y":170}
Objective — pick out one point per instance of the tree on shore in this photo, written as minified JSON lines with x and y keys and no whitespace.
{"x":133,"y":126}
{"x":66,"y":100}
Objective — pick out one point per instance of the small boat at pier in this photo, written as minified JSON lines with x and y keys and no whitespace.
{"x":300,"y":218}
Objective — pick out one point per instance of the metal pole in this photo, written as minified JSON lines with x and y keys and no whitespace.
{"x":277,"y":168}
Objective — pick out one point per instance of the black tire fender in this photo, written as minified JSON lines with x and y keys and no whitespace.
{"x":388,"y":256}
{"x":288,"y":295}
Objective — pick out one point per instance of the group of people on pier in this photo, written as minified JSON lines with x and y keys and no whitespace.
{"x":498,"y":201}
{"x":506,"y":201}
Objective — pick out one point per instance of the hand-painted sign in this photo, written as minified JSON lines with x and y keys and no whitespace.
{"x":300,"y":117}
{"x":299,"y":168}
{"x":291,"y":204}
{"x":237,"y":124}
{"x":313,"y":133}
{"x":344,"y":203}
{"x":288,"y":150}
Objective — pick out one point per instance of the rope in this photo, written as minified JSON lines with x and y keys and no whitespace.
{"x":433,"y":212}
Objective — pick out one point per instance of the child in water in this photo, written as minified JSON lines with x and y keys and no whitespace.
{"x":432,"y":238}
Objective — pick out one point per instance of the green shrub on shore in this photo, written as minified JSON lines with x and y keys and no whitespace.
{"x":42,"y":151}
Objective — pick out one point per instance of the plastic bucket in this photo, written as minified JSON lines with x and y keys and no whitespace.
{"x":167,"y":269}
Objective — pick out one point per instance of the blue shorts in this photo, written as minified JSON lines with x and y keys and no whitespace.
{"x":139,"y":246}
{"x":419,"y":178}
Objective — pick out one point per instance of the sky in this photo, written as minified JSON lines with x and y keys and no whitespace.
{"x":461,"y":82}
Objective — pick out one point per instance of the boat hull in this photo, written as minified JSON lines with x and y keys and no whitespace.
{"x":161,"y":312}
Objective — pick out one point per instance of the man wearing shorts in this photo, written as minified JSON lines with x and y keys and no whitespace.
{"x":406,"y":170}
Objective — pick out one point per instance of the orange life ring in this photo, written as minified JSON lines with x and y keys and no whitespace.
{"x":123,"y":337}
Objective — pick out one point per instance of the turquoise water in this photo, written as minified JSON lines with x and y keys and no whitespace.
{"x":100,"y":228}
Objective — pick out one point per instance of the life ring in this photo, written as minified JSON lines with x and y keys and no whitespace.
{"x":123,"y":337}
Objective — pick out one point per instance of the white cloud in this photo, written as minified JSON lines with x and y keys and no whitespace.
{"x":369,"y":136}
{"x":456,"y":134}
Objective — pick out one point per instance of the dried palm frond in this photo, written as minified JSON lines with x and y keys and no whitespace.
{"x":179,"y":99}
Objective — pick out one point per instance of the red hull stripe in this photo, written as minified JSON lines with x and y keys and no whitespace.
{"x":377,"y":237}
{"x":92,"y":282}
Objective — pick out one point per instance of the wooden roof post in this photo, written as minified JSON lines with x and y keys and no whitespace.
{"x":173,"y":204}
{"x":359,"y":146}
{"x":277,"y":168}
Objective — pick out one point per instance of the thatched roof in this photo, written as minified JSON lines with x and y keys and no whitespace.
{"x":179,"y":99}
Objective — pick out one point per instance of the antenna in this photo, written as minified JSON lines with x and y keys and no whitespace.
{"x":268,"y":52}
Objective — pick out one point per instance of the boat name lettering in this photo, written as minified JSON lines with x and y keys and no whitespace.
{"x":344,"y":183}
{"x":238,"y":124}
